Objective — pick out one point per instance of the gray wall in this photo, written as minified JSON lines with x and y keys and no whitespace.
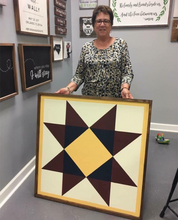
{"x":155,"y":64}
{"x":18,"y":115}
{"x":154,"y":59}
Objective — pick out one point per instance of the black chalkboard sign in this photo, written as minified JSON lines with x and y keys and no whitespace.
{"x":8,"y":74}
{"x":35,"y":65}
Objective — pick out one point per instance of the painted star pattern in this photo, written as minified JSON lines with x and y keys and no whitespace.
{"x":109,"y":142}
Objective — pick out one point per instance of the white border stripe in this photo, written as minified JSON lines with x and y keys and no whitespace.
{"x":164,"y":127}
{"x":15,"y":183}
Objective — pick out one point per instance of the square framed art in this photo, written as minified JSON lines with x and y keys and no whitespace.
{"x":86,"y":27}
{"x":92,"y":152}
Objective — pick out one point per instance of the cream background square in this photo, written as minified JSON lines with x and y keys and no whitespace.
{"x":51,"y":182}
{"x":84,"y":191}
{"x":129,"y":159}
{"x":54,"y":111}
{"x":51,"y":147}
{"x":123,"y":197}
{"x":91,"y":112}
{"x":129,"y":118}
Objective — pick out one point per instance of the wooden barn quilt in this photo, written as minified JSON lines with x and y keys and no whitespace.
{"x":91,"y":152}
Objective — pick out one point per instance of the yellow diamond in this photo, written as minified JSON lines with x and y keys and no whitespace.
{"x":88,"y":152}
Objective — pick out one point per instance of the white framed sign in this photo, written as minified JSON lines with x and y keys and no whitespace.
{"x":32,"y":16}
{"x":140,"y":13}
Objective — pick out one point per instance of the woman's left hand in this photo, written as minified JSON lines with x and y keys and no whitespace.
{"x":126,"y":94}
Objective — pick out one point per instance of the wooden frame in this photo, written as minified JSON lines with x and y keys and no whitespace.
{"x":92,"y":152}
{"x":57,"y":48}
{"x":8,"y":72}
{"x":32,"y":17}
{"x":35,"y":65}
{"x":87,"y":4}
{"x":144,"y":13}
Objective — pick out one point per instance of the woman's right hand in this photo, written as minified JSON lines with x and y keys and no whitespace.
{"x":63,"y":91}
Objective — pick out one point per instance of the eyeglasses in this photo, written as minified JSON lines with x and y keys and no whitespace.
{"x":104,"y":21}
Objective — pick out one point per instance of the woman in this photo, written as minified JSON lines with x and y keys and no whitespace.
{"x":104,"y":65}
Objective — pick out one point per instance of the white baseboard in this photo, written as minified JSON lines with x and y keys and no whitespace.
{"x":15,"y":183}
{"x":164,"y":127}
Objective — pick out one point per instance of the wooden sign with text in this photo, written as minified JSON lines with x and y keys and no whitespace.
{"x":60,"y":30}
{"x":61,"y":22}
{"x":60,"y":4}
{"x":59,"y":12}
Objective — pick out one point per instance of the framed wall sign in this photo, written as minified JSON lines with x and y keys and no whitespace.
{"x":87,"y":4}
{"x":35,"y":65}
{"x":57,"y":48}
{"x":92,"y":152}
{"x":174,"y":34}
{"x":8,"y":73}
{"x":86,"y":27}
{"x":32,"y":17}
{"x":142,"y":13}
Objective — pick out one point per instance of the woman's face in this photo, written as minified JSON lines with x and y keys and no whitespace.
{"x":102,"y":25}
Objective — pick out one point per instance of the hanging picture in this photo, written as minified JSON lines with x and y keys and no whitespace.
{"x":8,"y":73}
{"x":57,"y":48}
{"x":174,"y":34}
{"x":86,"y":27}
{"x":32,"y":17}
{"x":35,"y":65}
{"x":67,"y":49}
{"x":92,"y":152}
{"x":140,"y":13}
{"x":87,"y":4}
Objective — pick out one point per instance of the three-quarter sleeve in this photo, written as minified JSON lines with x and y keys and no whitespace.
{"x":126,"y":66}
{"x":78,"y":77}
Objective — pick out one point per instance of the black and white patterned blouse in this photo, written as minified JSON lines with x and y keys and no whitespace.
{"x":103,"y":71}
